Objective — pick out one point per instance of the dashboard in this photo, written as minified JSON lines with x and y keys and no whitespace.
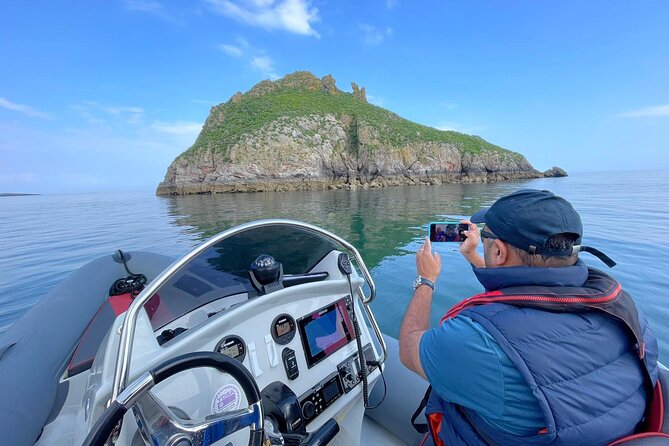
{"x":299,"y":343}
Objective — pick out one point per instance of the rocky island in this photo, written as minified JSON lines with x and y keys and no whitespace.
{"x":302,"y":132}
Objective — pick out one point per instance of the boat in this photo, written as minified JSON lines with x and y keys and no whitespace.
{"x":261,"y":335}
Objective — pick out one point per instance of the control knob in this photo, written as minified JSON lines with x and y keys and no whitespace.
{"x":308,"y":410}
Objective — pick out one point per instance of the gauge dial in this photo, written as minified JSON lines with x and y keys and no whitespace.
{"x":283,"y":329}
{"x":232,"y":346}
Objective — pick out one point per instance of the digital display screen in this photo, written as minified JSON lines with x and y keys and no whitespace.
{"x":331,"y":391}
{"x":231,"y":350}
{"x":282,"y":328}
{"x":448,"y":232}
{"x":232,"y":346}
{"x":325,"y":331}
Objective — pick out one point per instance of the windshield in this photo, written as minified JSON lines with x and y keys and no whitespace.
{"x":221,"y":271}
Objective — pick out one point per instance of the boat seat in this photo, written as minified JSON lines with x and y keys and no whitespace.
{"x":404,"y":393}
{"x":658,"y":420}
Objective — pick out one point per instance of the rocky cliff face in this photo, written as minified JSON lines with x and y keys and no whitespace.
{"x":336,"y":148}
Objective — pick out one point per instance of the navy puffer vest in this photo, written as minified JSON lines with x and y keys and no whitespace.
{"x":583,"y":368}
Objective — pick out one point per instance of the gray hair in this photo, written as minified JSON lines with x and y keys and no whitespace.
{"x":558,"y":242}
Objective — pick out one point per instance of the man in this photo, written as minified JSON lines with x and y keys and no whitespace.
{"x":553,"y":353}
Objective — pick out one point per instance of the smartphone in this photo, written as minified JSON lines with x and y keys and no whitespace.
{"x":448,"y":231}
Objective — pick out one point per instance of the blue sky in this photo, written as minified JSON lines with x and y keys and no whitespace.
{"x":103,"y":95}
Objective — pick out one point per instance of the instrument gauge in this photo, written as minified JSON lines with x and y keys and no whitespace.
{"x":283,"y":329}
{"x":232,"y":346}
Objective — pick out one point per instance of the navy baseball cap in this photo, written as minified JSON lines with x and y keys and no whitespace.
{"x":527,"y":218}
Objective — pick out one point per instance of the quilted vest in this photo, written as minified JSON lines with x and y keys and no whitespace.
{"x":585,"y":352}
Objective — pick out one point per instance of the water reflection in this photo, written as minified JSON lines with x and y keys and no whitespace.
{"x":379,"y":222}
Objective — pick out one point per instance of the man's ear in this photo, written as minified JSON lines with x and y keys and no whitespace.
{"x":500,"y":253}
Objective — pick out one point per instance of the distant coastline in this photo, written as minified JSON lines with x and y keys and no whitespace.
{"x":14,"y":194}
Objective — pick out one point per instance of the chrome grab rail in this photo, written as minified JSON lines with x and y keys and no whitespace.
{"x":122,"y":369}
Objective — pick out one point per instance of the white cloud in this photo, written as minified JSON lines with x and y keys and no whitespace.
{"x":120,"y":110}
{"x":459,"y":127}
{"x":25,"y":109}
{"x":448,"y":105}
{"x":265,"y":65}
{"x":295,"y":16}
{"x":179,"y":128}
{"x":376,"y":100}
{"x":98,"y":114}
{"x":78,"y":159}
{"x":255,"y":56}
{"x":149,"y":7}
{"x":391,"y":3}
{"x":372,"y":35}
{"x":657,"y":110}
{"x":230,"y":50}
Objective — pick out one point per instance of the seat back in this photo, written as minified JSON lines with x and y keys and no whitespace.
{"x":657,"y":424}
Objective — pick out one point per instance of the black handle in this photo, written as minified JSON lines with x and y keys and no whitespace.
{"x":105,"y":425}
{"x":323,"y":435}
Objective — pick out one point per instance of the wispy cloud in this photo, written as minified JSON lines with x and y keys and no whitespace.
{"x":390,"y":4}
{"x":96,"y":114}
{"x":256,"y":57}
{"x":459,"y":127}
{"x":373,"y":35}
{"x":296,"y":16}
{"x":120,"y":110}
{"x":25,"y":109}
{"x":376,"y":100}
{"x":71,"y":158}
{"x":657,"y":110}
{"x":448,"y":105}
{"x":149,"y":7}
{"x":231,"y":50}
{"x":179,"y":128}
{"x":265,"y":65}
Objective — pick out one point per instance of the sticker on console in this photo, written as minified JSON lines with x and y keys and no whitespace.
{"x":226,"y":398}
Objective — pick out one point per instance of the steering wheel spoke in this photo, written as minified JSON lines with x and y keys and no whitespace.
{"x":162,"y":426}
{"x":159,"y":425}
{"x":222,"y":425}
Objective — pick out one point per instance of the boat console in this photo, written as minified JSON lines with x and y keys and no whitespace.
{"x":281,"y":299}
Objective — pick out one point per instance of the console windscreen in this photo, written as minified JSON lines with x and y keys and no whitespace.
{"x":325,"y":331}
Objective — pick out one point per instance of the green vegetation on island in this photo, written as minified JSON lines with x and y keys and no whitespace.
{"x":302,"y":94}
{"x":301,"y":132}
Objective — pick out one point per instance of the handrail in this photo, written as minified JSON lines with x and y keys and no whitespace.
{"x":122,"y":368}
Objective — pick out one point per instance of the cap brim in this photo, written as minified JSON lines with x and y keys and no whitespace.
{"x":479,"y":217}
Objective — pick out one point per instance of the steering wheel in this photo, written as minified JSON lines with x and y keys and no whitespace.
{"x":159,"y":425}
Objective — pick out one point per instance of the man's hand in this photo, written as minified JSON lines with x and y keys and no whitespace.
{"x":468,"y":247}
{"x":417,"y":317}
{"x":428,"y":263}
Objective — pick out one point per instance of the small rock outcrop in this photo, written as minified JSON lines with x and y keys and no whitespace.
{"x":359,"y":93}
{"x":330,"y":84}
{"x":555,"y":172}
{"x":302,"y":132}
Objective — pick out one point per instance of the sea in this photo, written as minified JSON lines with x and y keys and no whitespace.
{"x":44,"y":238}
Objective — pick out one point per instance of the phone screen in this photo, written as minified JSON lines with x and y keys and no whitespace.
{"x":448,"y":231}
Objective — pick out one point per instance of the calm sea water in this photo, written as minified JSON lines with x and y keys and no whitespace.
{"x":44,"y":238}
